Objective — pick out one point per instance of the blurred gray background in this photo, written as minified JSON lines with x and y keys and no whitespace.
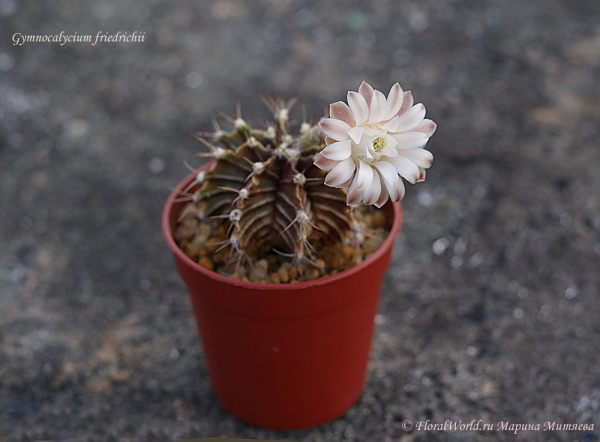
{"x":490,"y":310}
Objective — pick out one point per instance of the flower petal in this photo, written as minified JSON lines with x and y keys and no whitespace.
{"x":356,"y":133}
{"x":366,"y":90}
{"x":426,"y":126}
{"x":341,"y":173}
{"x":385,"y":196}
{"x":338,"y":151}
{"x":392,"y":125}
{"x":364,"y":175}
{"x":389,"y":151}
{"x":392,"y":181}
{"x":405,"y":168}
{"x":377,"y":107}
{"x":373,"y":191}
{"x":411,"y":118}
{"x":359,"y":107}
{"x":394,"y":101}
{"x":341,"y":111}
{"x":422,"y":176}
{"x":354,"y":195}
{"x":361,"y":151}
{"x":336,"y":129}
{"x":407,"y":102}
{"x":324,"y":163}
{"x":410,"y":140}
{"x":421,"y":157}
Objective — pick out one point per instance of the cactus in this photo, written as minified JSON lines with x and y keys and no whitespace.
{"x":262,"y":211}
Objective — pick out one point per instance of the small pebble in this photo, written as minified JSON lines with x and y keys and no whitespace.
{"x":206,"y":263}
{"x":213,"y":245}
{"x":190,"y":250}
{"x":379,"y":219}
{"x":321,"y":265}
{"x":373,"y":244}
{"x":186,"y":229}
{"x":204,"y":233}
{"x":283,"y":274}
{"x":312,"y":274}
{"x":221,"y":257}
{"x":348,"y":251}
{"x":274,"y":278}
{"x":259,"y":272}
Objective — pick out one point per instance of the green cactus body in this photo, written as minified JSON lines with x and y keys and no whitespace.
{"x":263,"y":198}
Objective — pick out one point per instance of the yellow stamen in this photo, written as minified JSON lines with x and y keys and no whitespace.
{"x":378,"y":144}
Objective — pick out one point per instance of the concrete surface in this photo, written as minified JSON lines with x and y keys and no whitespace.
{"x":490,"y":309}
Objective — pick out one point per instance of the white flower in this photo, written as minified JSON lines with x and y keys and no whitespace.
{"x":373,"y":142}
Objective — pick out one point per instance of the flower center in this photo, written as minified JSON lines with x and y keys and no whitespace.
{"x":378,"y":144}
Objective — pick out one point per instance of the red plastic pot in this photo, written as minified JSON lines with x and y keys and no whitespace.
{"x":285,"y":356}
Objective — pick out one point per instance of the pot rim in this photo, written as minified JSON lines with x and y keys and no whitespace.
{"x":167,"y":230}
